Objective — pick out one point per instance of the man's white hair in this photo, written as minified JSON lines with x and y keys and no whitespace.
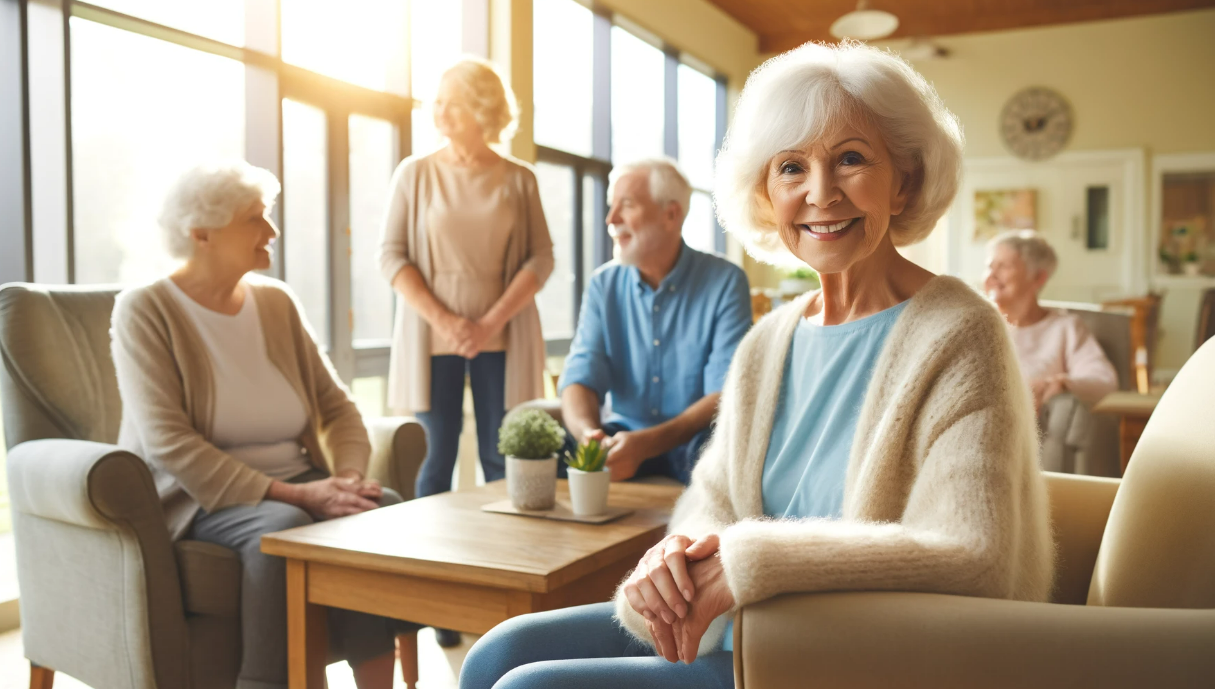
{"x":667,"y":183}
{"x":209,"y":196}
{"x":1034,"y":250}
{"x":799,"y":97}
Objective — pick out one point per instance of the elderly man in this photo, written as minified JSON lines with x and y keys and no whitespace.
{"x":658,"y":328}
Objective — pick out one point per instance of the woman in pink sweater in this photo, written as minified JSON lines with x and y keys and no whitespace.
{"x":1056,"y":352}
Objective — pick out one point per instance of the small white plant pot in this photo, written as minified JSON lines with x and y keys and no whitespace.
{"x":1192,"y":269}
{"x":532,"y":483}
{"x":589,"y":491}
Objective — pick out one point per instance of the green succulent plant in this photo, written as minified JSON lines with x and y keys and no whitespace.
{"x":530,"y":434}
{"x":590,"y":456}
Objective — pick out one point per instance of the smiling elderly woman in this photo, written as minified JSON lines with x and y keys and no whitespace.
{"x":836,"y":156}
{"x":238,"y":413}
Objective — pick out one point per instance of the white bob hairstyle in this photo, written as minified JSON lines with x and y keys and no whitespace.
{"x":483,"y":91}
{"x":1034,"y":250}
{"x":797,"y":98}
{"x":208,"y":197}
{"x":667,"y":183}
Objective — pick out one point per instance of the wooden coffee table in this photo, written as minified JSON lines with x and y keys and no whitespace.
{"x":441,"y":561}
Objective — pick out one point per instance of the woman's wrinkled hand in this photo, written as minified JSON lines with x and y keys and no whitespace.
{"x":367,"y":487}
{"x":333,"y":497}
{"x":713,"y":599}
{"x":456,"y":330}
{"x":660,"y":587}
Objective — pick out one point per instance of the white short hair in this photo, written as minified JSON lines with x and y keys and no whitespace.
{"x":1034,"y":250}
{"x":667,"y":183}
{"x":208,"y":196}
{"x":797,"y":98}
{"x":492,"y":103}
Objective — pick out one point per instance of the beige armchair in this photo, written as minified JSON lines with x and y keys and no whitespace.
{"x":1134,"y":600}
{"x":106,"y":597}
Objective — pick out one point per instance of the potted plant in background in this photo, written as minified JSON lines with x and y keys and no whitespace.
{"x":529,"y":439}
{"x":1191,"y":266}
{"x":799,"y":281}
{"x":589,"y":480}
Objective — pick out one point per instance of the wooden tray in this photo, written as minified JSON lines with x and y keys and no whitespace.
{"x":561,"y":512}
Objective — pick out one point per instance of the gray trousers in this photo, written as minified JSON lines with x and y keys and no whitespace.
{"x":353,"y":636}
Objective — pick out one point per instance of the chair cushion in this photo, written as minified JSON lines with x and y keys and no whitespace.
{"x":210,"y":578}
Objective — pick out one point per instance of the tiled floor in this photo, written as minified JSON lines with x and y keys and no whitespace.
{"x":439,"y":668}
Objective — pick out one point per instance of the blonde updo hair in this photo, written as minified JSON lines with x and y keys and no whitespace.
{"x":492,"y":103}
{"x":799,"y":97}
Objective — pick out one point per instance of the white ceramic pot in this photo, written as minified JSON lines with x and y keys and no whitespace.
{"x":1192,"y":269}
{"x":589,"y":491}
{"x":532,"y":483}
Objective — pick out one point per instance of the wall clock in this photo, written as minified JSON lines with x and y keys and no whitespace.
{"x":1036,"y":123}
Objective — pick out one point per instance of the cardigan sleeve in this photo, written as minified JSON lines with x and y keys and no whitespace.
{"x":975,"y":497}
{"x":394,"y":234}
{"x":1090,"y":375}
{"x":151,"y":388}
{"x":342,"y":430}
{"x":539,"y":242}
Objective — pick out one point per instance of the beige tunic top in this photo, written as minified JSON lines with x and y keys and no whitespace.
{"x":468,"y":220}
{"x":166,"y":378}
{"x":405,"y":241}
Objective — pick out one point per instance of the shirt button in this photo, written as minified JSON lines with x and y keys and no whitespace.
{"x":671,"y":289}
{"x":655,"y":379}
{"x":655,"y":309}
{"x":657,"y":342}
{"x":654,"y":412}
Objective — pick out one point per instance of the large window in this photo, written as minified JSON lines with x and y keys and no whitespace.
{"x":697,"y":107}
{"x":638,"y":94}
{"x":435,"y":41}
{"x":306,"y":211}
{"x":356,"y":42}
{"x":563,"y":58}
{"x":131,"y":141}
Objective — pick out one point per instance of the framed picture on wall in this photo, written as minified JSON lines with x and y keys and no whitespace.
{"x":1001,"y":210}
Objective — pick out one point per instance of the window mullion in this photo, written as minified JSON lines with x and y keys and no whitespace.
{"x":341,"y":321}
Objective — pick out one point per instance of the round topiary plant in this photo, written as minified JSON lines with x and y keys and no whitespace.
{"x":530,"y":434}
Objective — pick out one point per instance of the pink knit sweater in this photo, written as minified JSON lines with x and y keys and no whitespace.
{"x":1060,"y":343}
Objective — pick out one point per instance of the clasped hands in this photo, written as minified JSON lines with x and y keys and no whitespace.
{"x":467,"y":336}
{"x":342,"y":495}
{"x":680,"y":587}
{"x":1047,"y":387}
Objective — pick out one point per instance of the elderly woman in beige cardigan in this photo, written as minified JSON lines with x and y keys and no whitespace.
{"x":241,"y":418}
{"x":874,"y":434}
{"x":466,"y":246}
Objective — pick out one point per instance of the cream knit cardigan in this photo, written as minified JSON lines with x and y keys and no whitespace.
{"x":943,"y":491}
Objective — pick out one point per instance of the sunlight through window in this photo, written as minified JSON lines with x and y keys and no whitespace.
{"x":359,"y":41}
{"x":563,"y":69}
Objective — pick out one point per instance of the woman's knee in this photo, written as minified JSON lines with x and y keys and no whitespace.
{"x":280,"y":516}
{"x":499,"y":651}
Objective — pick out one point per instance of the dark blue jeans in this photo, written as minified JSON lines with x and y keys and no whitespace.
{"x":445,"y":419}
{"x":676,"y":464}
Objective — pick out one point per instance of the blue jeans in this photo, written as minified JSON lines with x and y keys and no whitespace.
{"x":676,"y":464}
{"x":445,"y":419}
{"x":582,"y":647}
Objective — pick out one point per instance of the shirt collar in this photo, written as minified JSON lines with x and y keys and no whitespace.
{"x":672,"y":281}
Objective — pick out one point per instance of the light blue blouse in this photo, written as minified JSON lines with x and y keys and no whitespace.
{"x":827,"y":373}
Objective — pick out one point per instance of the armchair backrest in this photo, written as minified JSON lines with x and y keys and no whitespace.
{"x":1111,"y":326}
{"x":1159,"y":544}
{"x":56,"y":375}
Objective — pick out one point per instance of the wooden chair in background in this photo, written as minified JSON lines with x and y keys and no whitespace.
{"x":1144,"y":331}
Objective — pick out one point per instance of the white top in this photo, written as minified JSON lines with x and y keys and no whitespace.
{"x":1060,"y":343}
{"x":258,"y":418}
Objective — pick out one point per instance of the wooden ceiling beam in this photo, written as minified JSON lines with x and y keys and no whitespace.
{"x":928,"y":25}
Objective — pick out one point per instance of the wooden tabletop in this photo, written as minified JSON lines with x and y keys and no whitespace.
{"x":448,"y":537}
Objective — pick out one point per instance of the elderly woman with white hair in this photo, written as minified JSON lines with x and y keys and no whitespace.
{"x":466,"y":245}
{"x":238,"y":413}
{"x":872,"y":435}
{"x":1056,"y":351}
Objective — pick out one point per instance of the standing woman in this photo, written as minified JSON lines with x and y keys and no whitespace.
{"x":466,"y":245}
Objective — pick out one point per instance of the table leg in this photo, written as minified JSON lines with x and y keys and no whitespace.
{"x":307,"y":633}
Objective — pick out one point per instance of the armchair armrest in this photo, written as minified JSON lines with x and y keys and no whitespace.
{"x":94,"y":556}
{"x":1079,"y":509}
{"x":870,"y":639}
{"x":398,"y":448}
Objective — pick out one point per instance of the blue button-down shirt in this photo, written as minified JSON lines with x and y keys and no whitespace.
{"x":656,"y":351}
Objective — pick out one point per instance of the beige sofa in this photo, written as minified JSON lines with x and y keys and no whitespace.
{"x":1133,"y":607}
{"x":106,"y":597}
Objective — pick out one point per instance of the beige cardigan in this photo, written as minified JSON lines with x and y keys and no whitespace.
{"x":168,"y":398}
{"x":943,"y":491}
{"x":403,"y":242}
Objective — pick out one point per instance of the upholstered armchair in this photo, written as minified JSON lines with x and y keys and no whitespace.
{"x":106,"y":597}
{"x":1133,"y":605}
{"x":1074,"y":439}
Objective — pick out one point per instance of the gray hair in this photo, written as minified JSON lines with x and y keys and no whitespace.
{"x":667,"y":183}
{"x":798,"y":97}
{"x":1033,"y":249}
{"x":209,"y":196}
